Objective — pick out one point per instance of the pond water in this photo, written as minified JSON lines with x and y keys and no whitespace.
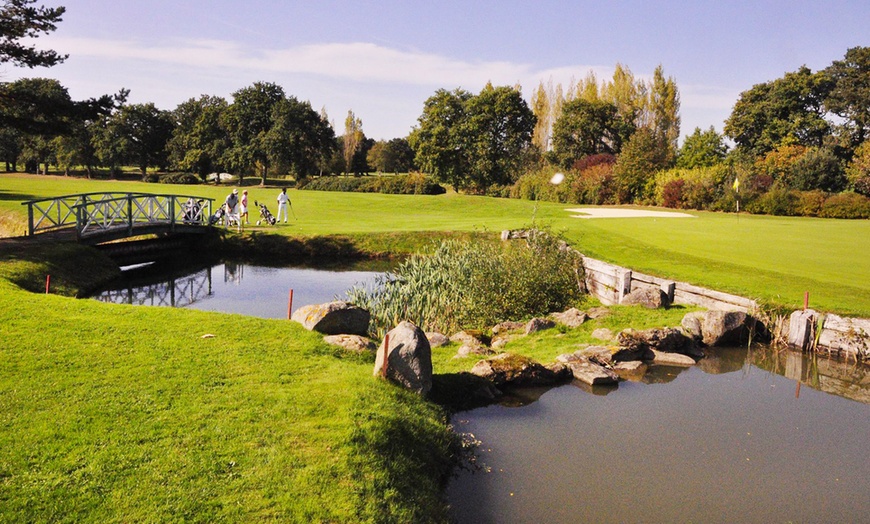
{"x":745,"y":436}
{"x":235,"y":287}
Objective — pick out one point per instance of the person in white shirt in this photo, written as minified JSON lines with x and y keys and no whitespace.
{"x":283,"y":200}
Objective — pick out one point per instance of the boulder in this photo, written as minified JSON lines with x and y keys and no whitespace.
{"x":539,"y":324}
{"x":470,"y":337}
{"x":672,"y":359}
{"x":506,"y":327}
{"x":572,"y":317}
{"x":408,"y":358}
{"x":436,"y":340}
{"x":691,"y":324}
{"x":671,"y":340}
{"x":334,"y":318}
{"x":598,"y":312}
{"x":648,"y":297}
{"x":473,"y":348}
{"x":590,"y":373}
{"x":516,"y":370}
{"x":603,"y":334}
{"x":725,"y":328}
{"x":632,"y":346}
{"x":632,"y":370}
{"x":354,"y":343}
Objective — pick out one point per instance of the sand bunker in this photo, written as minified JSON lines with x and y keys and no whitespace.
{"x":616,"y":212}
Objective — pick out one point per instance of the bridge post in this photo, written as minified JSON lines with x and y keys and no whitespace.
{"x":172,"y":213}
{"x":30,"y":219}
{"x":129,"y":214}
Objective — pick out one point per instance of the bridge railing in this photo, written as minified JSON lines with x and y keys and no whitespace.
{"x":95,"y":213}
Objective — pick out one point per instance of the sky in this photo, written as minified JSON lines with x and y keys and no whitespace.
{"x":383,"y":59}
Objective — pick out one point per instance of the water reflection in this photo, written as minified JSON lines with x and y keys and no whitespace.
{"x":234,"y":287}
{"x":745,"y":436}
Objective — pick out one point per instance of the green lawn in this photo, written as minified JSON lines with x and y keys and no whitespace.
{"x":773,"y":259}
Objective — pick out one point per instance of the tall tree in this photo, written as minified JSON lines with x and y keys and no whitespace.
{"x":642,"y":156}
{"x":786,"y":110}
{"x":497,"y":132}
{"x":199,"y":139}
{"x":664,"y":106}
{"x":702,"y":149}
{"x":541,"y":107}
{"x":137,"y":134}
{"x":353,"y":137}
{"x":299,"y":137}
{"x":587,"y":128}
{"x":248,"y":120}
{"x":849,"y":96}
{"x":628,"y":95}
{"x":19,"y":19}
{"x":437,"y":142}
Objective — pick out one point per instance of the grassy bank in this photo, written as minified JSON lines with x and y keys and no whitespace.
{"x":773,"y":259}
{"x":113,"y":413}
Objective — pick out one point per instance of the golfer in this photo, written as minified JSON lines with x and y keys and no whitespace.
{"x":232,"y":202}
{"x":283,"y":200}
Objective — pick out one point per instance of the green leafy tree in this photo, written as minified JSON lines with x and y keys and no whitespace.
{"x":19,"y":19}
{"x":786,"y":110}
{"x":664,"y":106}
{"x":136,"y":134}
{"x":351,"y":140}
{"x":496,"y":134}
{"x":637,"y":164}
{"x":299,"y":137}
{"x":248,"y":121}
{"x":199,"y":139}
{"x":858,"y":171}
{"x":588,"y":128}
{"x":850,"y":92}
{"x":702,"y":149}
{"x":437,"y":140}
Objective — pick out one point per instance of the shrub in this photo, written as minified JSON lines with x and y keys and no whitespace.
{"x":696,"y":188}
{"x":410,"y":184}
{"x":846,"y":205}
{"x":778,"y":201}
{"x":672,"y":193}
{"x":180,"y":178}
{"x":809,"y":203}
{"x":465,"y":285}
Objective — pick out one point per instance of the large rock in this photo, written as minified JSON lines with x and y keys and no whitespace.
{"x":672,"y":359}
{"x":334,"y":318}
{"x":408,"y":358}
{"x":648,"y":297}
{"x":590,"y":373}
{"x":354,"y":343}
{"x":507,"y":327}
{"x":539,"y":324}
{"x":725,"y":328}
{"x":436,"y":340}
{"x":572,"y":317}
{"x":691,"y":324}
{"x":517,"y":370}
{"x":670,"y":340}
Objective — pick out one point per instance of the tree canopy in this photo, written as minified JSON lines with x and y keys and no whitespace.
{"x":20,"y":19}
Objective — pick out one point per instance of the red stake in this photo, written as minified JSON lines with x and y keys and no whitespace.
{"x":806,"y":300}
{"x":290,"y":304}
{"x":386,"y":355}
{"x":47,"y":283}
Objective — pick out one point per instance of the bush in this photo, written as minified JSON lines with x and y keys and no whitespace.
{"x":696,"y":188}
{"x":466,"y":285}
{"x":778,"y":201}
{"x":410,"y":184}
{"x":809,"y":203}
{"x":846,"y":205}
{"x":180,"y":178}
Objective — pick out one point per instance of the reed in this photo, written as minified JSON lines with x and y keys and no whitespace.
{"x":472,"y":285}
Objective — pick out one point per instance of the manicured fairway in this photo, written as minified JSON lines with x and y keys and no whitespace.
{"x":774,"y":259}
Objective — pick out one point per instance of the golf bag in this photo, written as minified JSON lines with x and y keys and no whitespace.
{"x":217,"y":216}
{"x":265,"y":215}
{"x":193,"y":211}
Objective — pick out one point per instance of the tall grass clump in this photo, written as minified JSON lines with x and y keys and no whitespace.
{"x":466,"y":285}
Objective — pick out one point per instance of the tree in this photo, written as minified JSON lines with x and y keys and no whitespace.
{"x":588,"y":128}
{"x":642,"y":156}
{"x":353,"y":136}
{"x":702,"y":149}
{"x":19,"y":20}
{"x":136,"y":134}
{"x":437,"y":141}
{"x":629,"y":96}
{"x":299,"y":137}
{"x":472,"y":141}
{"x":541,"y":108}
{"x":248,"y":121}
{"x":496,"y":134}
{"x":858,"y":171}
{"x":199,"y":138}
{"x":664,"y":106}
{"x":850,"y":92}
{"x":786,"y":110}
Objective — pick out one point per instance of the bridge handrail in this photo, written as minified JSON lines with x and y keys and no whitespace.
{"x":116,"y":209}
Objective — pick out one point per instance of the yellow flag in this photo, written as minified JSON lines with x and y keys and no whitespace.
{"x":736,"y":185}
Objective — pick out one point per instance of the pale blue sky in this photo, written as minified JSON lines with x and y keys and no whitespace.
{"x":382,"y":59}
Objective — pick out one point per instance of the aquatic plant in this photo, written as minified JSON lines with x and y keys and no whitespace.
{"x":473,"y":285}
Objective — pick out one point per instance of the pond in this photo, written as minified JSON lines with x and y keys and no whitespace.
{"x":745,"y":436}
{"x":235,"y":287}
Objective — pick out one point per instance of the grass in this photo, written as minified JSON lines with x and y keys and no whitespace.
{"x":772,"y":259}
{"x":113,"y":413}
